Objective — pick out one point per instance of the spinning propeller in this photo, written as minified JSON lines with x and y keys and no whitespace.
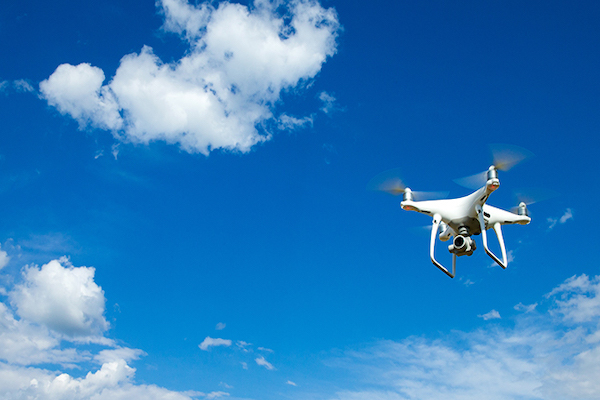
{"x":504,"y":157}
{"x":527,"y":197}
{"x":390,"y":182}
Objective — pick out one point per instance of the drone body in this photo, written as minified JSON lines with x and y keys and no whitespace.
{"x":466,"y":216}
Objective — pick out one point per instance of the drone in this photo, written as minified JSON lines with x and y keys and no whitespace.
{"x":461,"y":218}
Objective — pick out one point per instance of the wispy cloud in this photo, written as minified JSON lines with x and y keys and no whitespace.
{"x":264,"y":363}
{"x":4,"y":259}
{"x":220,"y":326}
{"x":23,"y":86}
{"x":289,"y":123}
{"x":466,"y":282}
{"x":18,"y":86}
{"x":552,"y":222}
{"x":216,"y":395}
{"x":551,"y":354}
{"x":329,"y":103}
{"x":239,"y":61}
{"x":526,"y":308}
{"x":578,"y":299}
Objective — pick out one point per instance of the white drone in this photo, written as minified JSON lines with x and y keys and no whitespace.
{"x":465,"y":216}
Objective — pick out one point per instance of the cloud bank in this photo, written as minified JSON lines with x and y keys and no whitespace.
{"x":546,"y":355}
{"x":222,"y":93}
{"x":54,"y":310}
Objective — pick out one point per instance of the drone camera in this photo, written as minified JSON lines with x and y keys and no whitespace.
{"x":462,"y":245}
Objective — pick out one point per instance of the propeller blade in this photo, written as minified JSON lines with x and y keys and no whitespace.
{"x":535,"y":195}
{"x":506,"y":156}
{"x":390,"y":182}
{"x":474,"y":181}
{"x":531,"y":196}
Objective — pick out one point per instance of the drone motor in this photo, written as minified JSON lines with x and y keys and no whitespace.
{"x":522,"y":209}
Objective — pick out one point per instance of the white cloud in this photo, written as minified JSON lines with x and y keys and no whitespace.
{"x":23,"y":86}
{"x":291,"y":383}
{"x":19,"y":86}
{"x":526,"y":308}
{"x":264,"y":363}
{"x":289,"y":123}
{"x":37,"y":337}
{"x":216,"y":395}
{"x":564,"y":218}
{"x":244,"y":365}
{"x":212,"y":342}
{"x":541,"y":357}
{"x":24,"y":343}
{"x":490,"y":315}
{"x":78,"y":91}
{"x":578,"y":299}
{"x":118,"y":353}
{"x":112,"y":381}
{"x":4,"y":259}
{"x":240,"y":60}
{"x":220,"y":326}
{"x":242,"y":345}
{"x":328,"y":101}
{"x":63,"y":298}
{"x":265,"y":349}
{"x":466,"y":282}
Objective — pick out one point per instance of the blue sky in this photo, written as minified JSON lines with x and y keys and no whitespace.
{"x":186,"y":213}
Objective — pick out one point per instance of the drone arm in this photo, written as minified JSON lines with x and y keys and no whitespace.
{"x":437,"y":218}
{"x":497,"y":228}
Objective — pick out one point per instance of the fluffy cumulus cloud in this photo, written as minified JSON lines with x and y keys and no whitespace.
{"x":78,"y":91}
{"x":54,"y":310}
{"x":63,"y":298}
{"x":222,"y":93}
{"x":546,"y":355}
